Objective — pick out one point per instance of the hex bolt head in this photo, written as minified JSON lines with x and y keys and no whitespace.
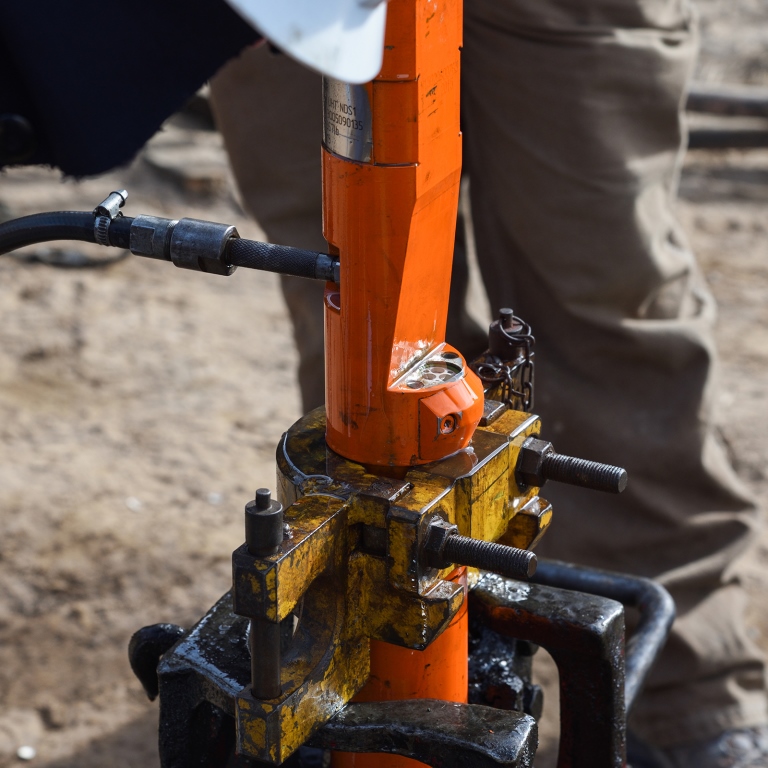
{"x":530,"y":462}
{"x":263,"y":524}
{"x":438,"y":532}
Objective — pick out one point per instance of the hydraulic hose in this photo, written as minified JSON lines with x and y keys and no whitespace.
{"x":44,"y":227}
{"x":204,"y":246}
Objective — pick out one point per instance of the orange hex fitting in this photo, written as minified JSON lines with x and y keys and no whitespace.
{"x":396,"y":395}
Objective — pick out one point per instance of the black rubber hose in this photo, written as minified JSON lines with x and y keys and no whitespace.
{"x":120,"y":232}
{"x":43,"y":227}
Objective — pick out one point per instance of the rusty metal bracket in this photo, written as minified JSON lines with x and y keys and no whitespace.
{"x":585,"y":636}
{"x":656,"y":607}
{"x":207,"y":670}
{"x":439,"y":733}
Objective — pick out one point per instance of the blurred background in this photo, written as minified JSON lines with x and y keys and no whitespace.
{"x":140,"y":406}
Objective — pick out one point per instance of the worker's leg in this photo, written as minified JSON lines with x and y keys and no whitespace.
{"x":268,"y":108}
{"x":572,"y":144}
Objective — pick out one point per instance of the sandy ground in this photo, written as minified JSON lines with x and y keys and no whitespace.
{"x":140,"y":406}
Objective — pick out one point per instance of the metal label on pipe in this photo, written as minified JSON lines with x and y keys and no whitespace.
{"x":347,"y":123}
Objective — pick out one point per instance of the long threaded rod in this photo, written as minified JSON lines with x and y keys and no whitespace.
{"x":498,"y":558}
{"x":582,"y":472}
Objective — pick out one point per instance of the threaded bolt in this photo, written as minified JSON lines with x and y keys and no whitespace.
{"x":443,"y":547}
{"x":538,"y":463}
{"x":582,"y":472}
{"x":497,"y":558}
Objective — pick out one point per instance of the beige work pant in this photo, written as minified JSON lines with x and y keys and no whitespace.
{"x":572,"y":144}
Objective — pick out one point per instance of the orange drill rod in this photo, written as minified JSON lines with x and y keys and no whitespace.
{"x":396,"y":395}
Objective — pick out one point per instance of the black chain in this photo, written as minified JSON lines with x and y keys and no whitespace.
{"x":511,"y":380}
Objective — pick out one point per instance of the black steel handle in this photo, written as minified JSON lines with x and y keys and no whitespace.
{"x":656,"y":606}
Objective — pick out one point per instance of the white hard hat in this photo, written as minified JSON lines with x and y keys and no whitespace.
{"x":340,"y":38}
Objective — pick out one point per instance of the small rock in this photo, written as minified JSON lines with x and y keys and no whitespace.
{"x":55,"y":714}
{"x":134,"y":504}
{"x":26,"y":752}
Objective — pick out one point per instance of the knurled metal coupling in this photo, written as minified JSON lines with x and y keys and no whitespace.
{"x":538,"y":463}
{"x":443,"y":547}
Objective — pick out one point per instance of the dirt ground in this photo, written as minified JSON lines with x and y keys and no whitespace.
{"x":140,"y":405}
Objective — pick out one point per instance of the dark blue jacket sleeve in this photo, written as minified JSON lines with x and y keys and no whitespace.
{"x":85,"y":83}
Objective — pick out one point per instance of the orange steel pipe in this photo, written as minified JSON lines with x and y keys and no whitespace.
{"x":396,"y":395}
{"x":438,"y":672}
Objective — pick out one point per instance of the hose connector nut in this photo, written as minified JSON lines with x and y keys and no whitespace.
{"x":202,"y":246}
{"x":151,"y":237}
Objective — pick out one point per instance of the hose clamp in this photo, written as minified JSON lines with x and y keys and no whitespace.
{"x":101,"y":229}
{"x":107,"y":210}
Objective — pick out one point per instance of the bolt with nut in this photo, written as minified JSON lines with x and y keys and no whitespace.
{"x":443,"y":547}
{"x":538,"y":463}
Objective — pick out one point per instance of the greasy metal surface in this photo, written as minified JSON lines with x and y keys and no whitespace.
{"x":474,"y":489}
{"x":438,"y":733}
{"x":529,"y":525}
{"x":350,"y":566}
{"x":145,"y":649}
{"x":199,"y":680}
{"x":585,"y":636}
{"x":657,"y":612}
{"x":500,"y":670}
